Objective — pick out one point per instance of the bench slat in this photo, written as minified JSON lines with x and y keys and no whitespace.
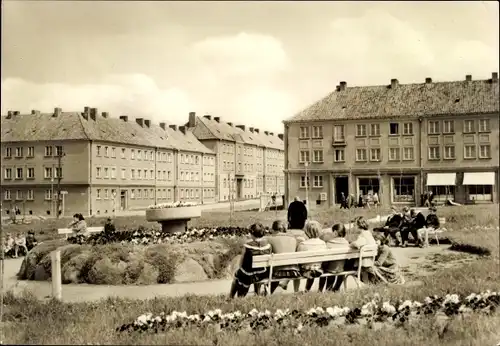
{"x":89,"y":229}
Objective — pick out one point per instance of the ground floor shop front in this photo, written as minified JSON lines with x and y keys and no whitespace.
{"x":326,"y":188}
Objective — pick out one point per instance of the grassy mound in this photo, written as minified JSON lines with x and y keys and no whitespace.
{"x":118,"y":264}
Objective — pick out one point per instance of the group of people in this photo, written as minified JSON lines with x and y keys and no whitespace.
{"x":303,"y":235}
{"x":364,"y":201}
{"x":19,"y":244}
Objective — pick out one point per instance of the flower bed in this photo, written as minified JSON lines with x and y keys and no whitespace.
{"x":172,"y":205}
{"x":375,"y":311}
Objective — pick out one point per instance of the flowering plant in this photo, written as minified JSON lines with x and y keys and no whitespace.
{"x":177,"y":204}
{"x":375,"y":310}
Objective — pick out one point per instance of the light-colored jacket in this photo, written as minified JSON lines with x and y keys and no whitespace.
{"x":314,"y":244}
{"x":364,"y":238}
{"x":80,"y":228}
{"x":299,"y":234}
{"x":335,"y":266}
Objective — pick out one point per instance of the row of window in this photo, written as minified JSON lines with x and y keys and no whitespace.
{"x":30,"y":151}
{"x":19,"y":173}
{"x":471,"y":151}
{"x":27,"y":195}
{"x":363,"y":130}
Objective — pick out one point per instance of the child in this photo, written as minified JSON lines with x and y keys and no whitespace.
{"x":246,"y":275}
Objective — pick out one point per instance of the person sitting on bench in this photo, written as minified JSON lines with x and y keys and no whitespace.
{"x":314,"y":243}
{"x":334,"y":239}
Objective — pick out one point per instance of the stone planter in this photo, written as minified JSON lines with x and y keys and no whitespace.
{"x":173,"y":219}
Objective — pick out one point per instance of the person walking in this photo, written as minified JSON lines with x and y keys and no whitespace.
{"x":297,"y":214}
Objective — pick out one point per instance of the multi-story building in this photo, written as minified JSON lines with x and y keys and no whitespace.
{"x":398,"y":140}
{"x":100,"y":164}
{"x":249,"y":162}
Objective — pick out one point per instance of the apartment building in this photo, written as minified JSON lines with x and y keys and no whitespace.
{"x":249,"y":163}
{"x":398,"y":140}
{"x":99,"y":164}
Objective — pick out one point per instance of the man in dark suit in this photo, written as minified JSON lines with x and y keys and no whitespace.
{"x":297,"y":214}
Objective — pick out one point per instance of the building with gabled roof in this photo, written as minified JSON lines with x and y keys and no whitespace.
{"x":399,"y":140}
{"x":249,"y":162}
{"x":100,"y":164}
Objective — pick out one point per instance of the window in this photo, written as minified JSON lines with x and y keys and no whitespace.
{"x":59,"y":150}
{"x":123,"y":153}
{"x":48,"y":151}
{"x":132,"y":174}
{"x":407,"y":128}
{"x":375,"y":130}
{"x":408,"y":154}
{"x":97,"y":172}
{"x":98,"y":194}
{"x":303,"y":181}
{"x":106,"y":194}
{"x":48,"y":195}
{"x":132,"y":154}
{"x":304,"y":132}
{"x":480,"y":192}
{"x":360,"y":130}
{"x":8,"y":152}
{"x":375,"y":154}
{"x":470,"y":151}
{"x":6,"y":195}
{"x":360,"y":154}
{"x":304,"y":156}
{"x":132,"y":193}
{"x":30,"y":195}
{"x":468,"y":126}
{"x":394,"y":154}
{"x":338,"y":155}
{"x":394,"y":129}
{"x":434,"y":153}
{"x":7,"y":173}
{"x":58,"y":172}
{"x":113,"y":173}
{"x":19,"y":195}
{"x":449,"y":152}
{"x":19,"y":173}
{"x":31,"y":152}
{"x":19,"y":152}
{"x":124,"y":173}
{"x":113,"y":152}
{"x":433,"y":127}
{"x":485,"y":151}
{"x":106,"y":172}
{"x":317,"y":131}
{"x":443,"y":193}
{"x":338,"y":133}
{"x":484,"y":125}
{"x":318,"y":156}
{"x":403,"y":189}
{"x":448,"y":126}
{"x":106,"y":151}
{"x":369,"y":185}
{"x":98,"y":150}
{"x":318,"y":181}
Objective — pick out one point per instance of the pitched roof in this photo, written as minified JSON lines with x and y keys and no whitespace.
{"x":405,"y":100}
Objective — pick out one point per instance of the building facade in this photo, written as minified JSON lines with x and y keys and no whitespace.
{"x":99,"y":164}
{"x":249,"y":162}
{"x":398,"y":140}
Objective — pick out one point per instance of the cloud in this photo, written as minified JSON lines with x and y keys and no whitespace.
{"x":231,"y":76}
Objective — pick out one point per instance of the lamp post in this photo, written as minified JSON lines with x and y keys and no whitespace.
{"x":306,"y":164}
{"x":114,"y":204}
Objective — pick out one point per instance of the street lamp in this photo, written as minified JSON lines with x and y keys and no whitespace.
{"x":114,"y":203}
{"x":306,"y":164}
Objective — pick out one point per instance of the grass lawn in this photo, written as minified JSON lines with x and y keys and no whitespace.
{"x":31,"y":321}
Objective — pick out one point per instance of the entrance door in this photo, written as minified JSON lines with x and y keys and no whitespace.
{"x":239,"y":188}
{"x":341,"y":185}
{"x":123,"y":200}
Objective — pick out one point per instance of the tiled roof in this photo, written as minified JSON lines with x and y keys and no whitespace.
{"x":405,"y":100}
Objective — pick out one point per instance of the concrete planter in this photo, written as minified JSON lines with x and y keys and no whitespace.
{"x":173,"y":219}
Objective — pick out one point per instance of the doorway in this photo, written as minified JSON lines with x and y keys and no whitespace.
{"x":123,"y":200}
{"x":341,"y":186}
{"x":239,"y":188}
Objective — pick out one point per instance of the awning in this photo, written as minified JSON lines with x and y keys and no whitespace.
{"x":441,"y":179}
{"x":479,"y":178}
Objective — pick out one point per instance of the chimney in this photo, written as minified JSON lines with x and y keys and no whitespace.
{"x":147,"y":122}
{"x":230,"y":124}
{"x":93,"y":113}
{"x":251,"y":129}
{"x":173,"y":127}
{"x":182,"y":129}
{"x":9,"y":114}
{"x":34,"y":111}
{"x":243,"y":127}
{"x":162,"y":125}
{"x":271,"y":133}
{"x":428,"y":80}
{"x":394,"y":83}
{"x":16,"y":113}
{"x":337,"y":88}
{"x":105,"y":114}
{"x":256,"y":130}
{"x":217,"y":119}
{"x":57,"y":112}
{"x":209,"y":117}
{"x":342,"y":86}
{"x":86,"y":110}
{"x":280,"y":136}
{"x":494,"y":77}
{"x":267,"y":133}
{"x":192,"y":119}
{"x":124,"y":118}
{"x":468,"y":78}
{"x":140,"y":121}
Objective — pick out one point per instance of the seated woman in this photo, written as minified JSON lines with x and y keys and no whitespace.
{"x":365,"y":237}
{"x":386,"y":268}
{"x":282,"y":242}
{"x":20,"y":245}
{"x":314,"y":243}
{"x":31,"y":241}
{"x":246,"y":275}
{"x":335,"y":240}
{"x":78,"y":225}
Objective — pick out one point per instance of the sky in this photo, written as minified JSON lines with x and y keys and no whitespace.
{"x":252,"y":63}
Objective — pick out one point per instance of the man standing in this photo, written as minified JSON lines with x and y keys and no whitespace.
{"x":297,"y":214}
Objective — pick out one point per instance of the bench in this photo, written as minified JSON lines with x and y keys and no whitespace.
{"x":304,"y":257}
{"x":69,"y":231}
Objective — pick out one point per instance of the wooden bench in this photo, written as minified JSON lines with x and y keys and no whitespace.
{"x":69,"y":231}
{"x":304,"y":257}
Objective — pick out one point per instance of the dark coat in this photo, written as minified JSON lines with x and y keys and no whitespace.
{"x":297,"y":214}
{"x":432,"y":221}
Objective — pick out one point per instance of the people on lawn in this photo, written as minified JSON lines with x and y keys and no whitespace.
{"x":386,"y":268}
{"x":31,"y":241}
{"x":297,"y":214}
{"x":246,"y":275}
{"x":79,"y":226}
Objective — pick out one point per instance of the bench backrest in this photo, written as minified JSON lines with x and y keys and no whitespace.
{"x":89,"y":229}
{"x":303,"y":257}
